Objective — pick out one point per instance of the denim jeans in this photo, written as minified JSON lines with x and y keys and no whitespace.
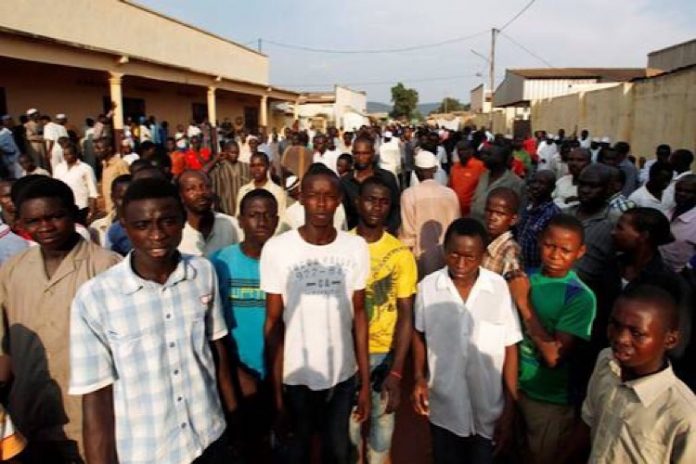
{"x":326,"y":411}
{"x":381,"y":424}
{"x":449,"y":448}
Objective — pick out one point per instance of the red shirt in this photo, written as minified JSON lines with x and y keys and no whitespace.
{"x":464,"y":179}
{"x":195,"y":160}
{"x":530,"y":145}
{"x":178,"y":158}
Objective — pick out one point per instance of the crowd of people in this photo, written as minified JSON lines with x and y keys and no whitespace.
{"x":225,"y":295}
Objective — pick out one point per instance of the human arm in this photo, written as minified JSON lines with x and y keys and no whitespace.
{"x":224,"y":376}
{"x":402,"y":341}
{"x":360,"y":334}
{"x":93,"y":194}
{"x":504,"y":427}
{"x":420,"y":388}
{"x":98,"y":426}
{"x":274,"y":335}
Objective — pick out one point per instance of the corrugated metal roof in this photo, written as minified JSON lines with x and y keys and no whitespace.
{"x":606,"y":74}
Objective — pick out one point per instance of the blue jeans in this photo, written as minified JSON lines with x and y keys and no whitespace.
{"x":449,"y":448}
{"x":381,"y":424}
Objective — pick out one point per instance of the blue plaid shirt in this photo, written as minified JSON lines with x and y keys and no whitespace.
{"x":150,"y":342}
{"x":533,"y":221}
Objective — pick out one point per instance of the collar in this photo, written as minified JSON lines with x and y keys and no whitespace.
{"x":601,"y":214}
{"x":685,"y":217}
{"x":483,"y":284}
{"x":132,"y":282}
{"x":547,"y":204}
{"x":69,"y":264}
{"x":647,"y":388}
{"x":496,"y":245}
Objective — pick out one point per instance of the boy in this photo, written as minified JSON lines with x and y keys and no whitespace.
{"x":29,"y":167}
{"x":316,"y":327}
{"x":466,"y":324}
{"x":344,"y":164}
{"x":636,"y":409}
{"x":563,"y":311}
{"x":503,"y":255}
{"x":244,"y":307}
{"x":258,"y":169}
{"x":389,"y":306}
{"x":99,"y":228}
{"x":141,"y":341}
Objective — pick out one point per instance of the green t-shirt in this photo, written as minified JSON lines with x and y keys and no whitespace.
{"x":562,"y":304}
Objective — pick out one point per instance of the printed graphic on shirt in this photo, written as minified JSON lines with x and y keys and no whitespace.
{"x":322,"y":276}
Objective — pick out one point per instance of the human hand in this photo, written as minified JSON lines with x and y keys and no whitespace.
{"x":420,"y":398}
{"x":362,"y":409}
{"x":392,"y":389}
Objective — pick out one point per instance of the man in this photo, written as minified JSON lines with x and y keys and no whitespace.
{"x":498,"y":174}
{"x":535,"y":216}
{"x":566,"y":193}
{"x":618,"y":203}
{"x":364,"y":156}
{"x":346,"y":144}
{"x":36,"y":288}
{"x":464,"y":175}
{"x":140,"y":345}
{"x":227,"y":175}
{"x":389,"y":306}
{"x":427,"y":209}
{"x":390,"y":154}
{"x":316,"y":326}
{"x":683,"y":219}
{"x":35,"y":141}
{"x":29,"y":168}
{"x":52,"y":131}
{"x":407,"y":154}
{"x":112,"y":167}
{"x":622,"y":151}
{"x":80,"y":178}
{"x":584,"y":140}
{"x":99,"y":228}
{"x":651,"y":195}
{"x":323,"y":155}
{"x":205,"y":230}
{"x":681,"y":161}
{"x":258,"y":169}
{"x":8,"y":148}
{"x":546,"y":151}
{"x":662,"y":153}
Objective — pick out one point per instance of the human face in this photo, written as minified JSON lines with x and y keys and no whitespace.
{"x":258,"y":169}
{"x":577,"y":161}
{"x":259,"y":220}
{"x":117,"y":194}
{"x":463,"y":256}
{"x":373,"y":205}
{"x":196,"y":143}
{"x":610,"y":158}
{"x":592,"y":191}
{"x":347,"y":138}
{"x":48,"y":221}
{"x":661,"y":180}
{"x":171,"y":146}
{"x":320,"y":197}
{"x":685,"y":194}
{"x":5,"y":198}
{"x":625,"y":235}
{"x":559,"y":248}
{"x":196,"y":192}
{"x":343,"y":167}
{"x":27,"y":163}
{"x":320,"y":144}
{"x":233,"y":154}
{"x":154,"y":227}
{"x":540,"y":186}
{"x":253,"y":144}
{"x":499,"y":216}
{"x":102,"y":150}
{"x":69,"y":156}
{"x":363,"y":155}
{"x":639,"y":336}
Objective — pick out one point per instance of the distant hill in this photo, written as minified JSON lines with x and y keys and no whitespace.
{"x":377,"y":107}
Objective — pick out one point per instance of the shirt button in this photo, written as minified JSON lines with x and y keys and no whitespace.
{"x":176,"y":371}
{"x":183,"y":425}
{"x":179,"y":399}
{"x":169,"y":316}
{"x":171,"y":345}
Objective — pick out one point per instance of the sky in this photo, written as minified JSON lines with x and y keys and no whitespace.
{"x":557,"y":33}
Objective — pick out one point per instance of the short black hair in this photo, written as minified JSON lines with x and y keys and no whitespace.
{"x":373,"y":181}
{"x":347,"y":157}
{"x":42,"y":187}
{"x":567,"y":222}
{"x":146,"y":145}
{"x":151,"y":188}
{"x":261,"y":155}
{"x":364,"y":139}
{"x":507,"y":194}
{"x":659,"y":298}
{"x":139,"y":164}
{"x":467,"y":227}
{"x":623,"y":148}
{"x":682,"y":158}
{"x":260,"y":194}
{"x":320,"y":169}
{"x":229,"y":144}
{"x":659,"y":166}
{"x":122,"y":179}
{"x":652,"y":221}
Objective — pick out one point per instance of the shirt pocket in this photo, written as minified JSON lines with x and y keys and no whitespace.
{"x":488,"y":343}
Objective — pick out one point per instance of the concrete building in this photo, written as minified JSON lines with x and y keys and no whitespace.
{"x":77,"y":56}
{"x":481,"y":99}
{"x":671,"y":58}
{"x":343,"y":108}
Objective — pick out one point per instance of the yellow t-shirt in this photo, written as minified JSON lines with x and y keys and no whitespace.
{"x":393,"y":274}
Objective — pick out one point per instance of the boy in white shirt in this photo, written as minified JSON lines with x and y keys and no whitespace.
{"x":470,"y":387}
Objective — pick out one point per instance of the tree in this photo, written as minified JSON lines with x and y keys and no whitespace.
{"x":405,"y":101}
{"x":450,"y":104}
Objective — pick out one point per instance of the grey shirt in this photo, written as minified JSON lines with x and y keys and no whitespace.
{"x":600,"y":254}
{"x":509,"y":179}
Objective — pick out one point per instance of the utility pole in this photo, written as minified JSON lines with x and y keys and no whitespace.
{"x":260,"y":45}
{"x":491,"y":76}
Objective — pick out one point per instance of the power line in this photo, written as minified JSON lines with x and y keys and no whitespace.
{"x":375,"y":50}
{"x":393,"y":81}
{"x":514,"y":18}
{"x":526,"y":50}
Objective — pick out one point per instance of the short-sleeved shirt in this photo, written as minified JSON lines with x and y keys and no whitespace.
{"x":37,"y":335}
{"x":466,"y":343}
{"x":317,"y":283}
{"x":81,"y":180}
{"x":151,"y":342}
{"x":243,"y":304}
{"x":393,"y":274}
{"x":225,"y":232}
{"x":503,"y":255}
{"x":533,"y":221}
{"x":464,"y":179}
{"x":562,"y":304}
{"x":651,"y":419}
{"x":10,"y":243}
{"x":111,"y":169}
{"x":508,"y":179}
{"x":600,"y":254}
{"x":680,"y":251}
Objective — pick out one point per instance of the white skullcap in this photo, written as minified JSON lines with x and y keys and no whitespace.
{"x":425,"y":160}
{"x":32,"y":111}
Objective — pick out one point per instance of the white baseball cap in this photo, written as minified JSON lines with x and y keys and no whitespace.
{"x":425,"y":160}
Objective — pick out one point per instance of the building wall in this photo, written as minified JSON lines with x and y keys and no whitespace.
{"x":672,"y":58}
{"x":535,"y":89}
{"x":644,"y":113}
{"x":510,"y":91}
{"x":117,"y":26}
{"x":348,"y":100}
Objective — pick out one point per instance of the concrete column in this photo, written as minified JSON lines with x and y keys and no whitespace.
{"x":296,"y":110}
{"x":116,"y":93}
{"x":212,"y":109}
{"x":263,"y":111}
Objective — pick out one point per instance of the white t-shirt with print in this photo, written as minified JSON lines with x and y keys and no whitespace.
{"x":317,"y":284}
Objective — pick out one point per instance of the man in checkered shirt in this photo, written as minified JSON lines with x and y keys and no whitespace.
{"x":139,"y":346}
